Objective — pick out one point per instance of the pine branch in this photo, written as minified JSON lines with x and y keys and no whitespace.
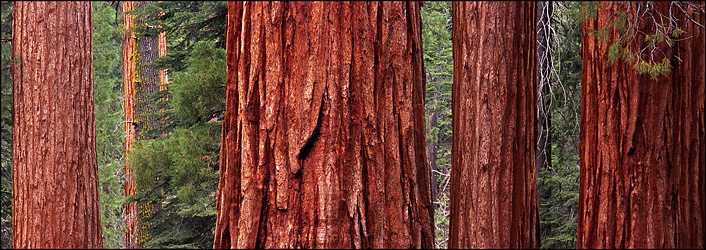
{"x":688,"y":17}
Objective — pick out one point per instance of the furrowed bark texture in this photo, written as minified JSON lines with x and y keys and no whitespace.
{"x":493,"y":176}
{"x":139,"y":81}
{"x":130,"y":211}
{"x":54,"y":168}
{"x":163,"y":77}
{"x":642,"y":143}
{"x":145,"y":78}
{"x":365,"y":183}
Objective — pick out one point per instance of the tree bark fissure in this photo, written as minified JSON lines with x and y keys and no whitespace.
{"x":493,"y":178}
{"x":128,"y":64}
{"x":365,"y":182}
{"x":55,"y":184}
{"x":642,"y":143}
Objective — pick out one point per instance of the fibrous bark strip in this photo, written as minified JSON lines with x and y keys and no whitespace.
{"x":54,"y":168}
{"x":365,"y":182}
{"x":642,"y":140}
{"x":493,"y":175}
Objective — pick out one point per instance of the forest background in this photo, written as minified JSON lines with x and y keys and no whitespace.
{"x":179,"y":171}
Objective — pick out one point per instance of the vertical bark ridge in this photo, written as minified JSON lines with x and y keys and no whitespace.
{"x":642,"y":142}
{"x":163,"y":77}
{"x":55,"y":183}
{"x":128,"y":64}
{"x":494,"y":193}
{"x":145,"y":78}
{"x":294,"y":58}
{"x":139,"y":81}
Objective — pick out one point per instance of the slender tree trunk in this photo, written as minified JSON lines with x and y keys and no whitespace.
{"x":433,"y":150}
{"x":145,"y":78}
{"x":54,"y":168}
{"x":163,"y":77}
{"x":493,"y":176}
{"x":351,"y":73}
{"x":642,"y":143}
{"x":139,"y":81}
{"x":130,"y":212}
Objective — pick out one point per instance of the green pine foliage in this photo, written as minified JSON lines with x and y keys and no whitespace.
{"x":6,"y":128}
{"x":438,"y":64}
{"x":644,"y":57}
{"x":180,"y":176}
{"x":199,"y":92}
{"x":185,"y":23}
{"x":558,"y":183}
{"x":107,"y":81}
{"x":177,"y":173}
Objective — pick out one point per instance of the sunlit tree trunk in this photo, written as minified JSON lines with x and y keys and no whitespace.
{"x":139,"y":81}
{"x":163,"y":77}
{"x":54,"y":168}
{"x":351,"y":73}
{"x":642,"y":142}
{"x":493,"y":174}
{"x":130,"y":212}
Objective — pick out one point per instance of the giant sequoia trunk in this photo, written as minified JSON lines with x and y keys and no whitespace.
{"x":351,"y":75}
{"x":642,"y":143}
{"x":493,"y":175}
{"x":139,"y":81}
{"x":54,"y":168}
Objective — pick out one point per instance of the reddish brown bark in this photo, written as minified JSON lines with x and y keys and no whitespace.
{"x":642,"y":143}
{"x":365,"y":183}
{"x":130,"y":212}
{"x":139,"y":81}
{"x":163,"y":78}
{"x":54,"y":168}
{"x":493,"y":175}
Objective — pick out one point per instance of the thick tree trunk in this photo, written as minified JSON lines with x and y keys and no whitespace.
{"x":493,"y":176}
{"x":54,"y":168}
{"x":351,"y":73}
{"x":642,"y":143}
{"x":139,"y":81}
